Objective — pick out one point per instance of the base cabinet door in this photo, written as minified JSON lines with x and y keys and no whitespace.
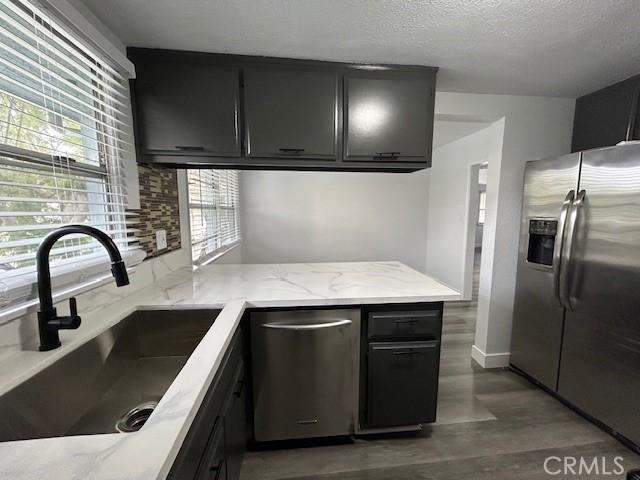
{"x":213,"y":465}
{"x":215,"y":443}
{"x":402,"y":383}
{"x":235,"y":426}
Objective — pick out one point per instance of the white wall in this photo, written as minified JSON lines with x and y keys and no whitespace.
{"x":534,"y":127}
{"x":334,"y":216}
{"x":322,"y":216}
{"x":451,"y":208}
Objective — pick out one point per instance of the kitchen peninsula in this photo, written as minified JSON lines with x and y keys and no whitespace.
{"x":230,"y":292}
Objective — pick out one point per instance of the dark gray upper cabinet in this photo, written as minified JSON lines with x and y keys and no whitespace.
{"x":607,"y":116}
{"x":290,"y":112}
{"x":187,"y":107}
{"x":388,"y":116}
{"x":231,"y":111}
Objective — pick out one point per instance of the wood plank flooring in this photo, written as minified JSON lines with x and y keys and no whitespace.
{"x":491,"y":425}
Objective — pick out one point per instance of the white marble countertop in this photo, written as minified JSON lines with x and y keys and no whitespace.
{"x":150,"y":452}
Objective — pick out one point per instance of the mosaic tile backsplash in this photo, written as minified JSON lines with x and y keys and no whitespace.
{"x":159,"y":208}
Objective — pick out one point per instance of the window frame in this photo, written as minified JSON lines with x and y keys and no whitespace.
{"x":105,"y":129}
{"x":225,"y":246}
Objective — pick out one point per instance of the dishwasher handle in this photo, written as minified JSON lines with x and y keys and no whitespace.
{"x":309,"y":326}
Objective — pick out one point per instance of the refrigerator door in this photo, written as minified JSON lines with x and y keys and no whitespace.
{"x":549,"y":187}
{"x":600,"y":366}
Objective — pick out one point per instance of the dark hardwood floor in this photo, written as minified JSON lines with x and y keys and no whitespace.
{"x":491,"y":425}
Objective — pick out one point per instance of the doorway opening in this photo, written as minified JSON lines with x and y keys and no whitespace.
{"x":481,"y":191}
{"x":477,"y":206}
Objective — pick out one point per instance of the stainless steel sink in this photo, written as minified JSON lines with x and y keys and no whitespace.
{"x":109,"y":384}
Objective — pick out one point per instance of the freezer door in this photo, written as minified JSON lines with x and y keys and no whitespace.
{"x":549,"y":186}
{"x":600,"y":367}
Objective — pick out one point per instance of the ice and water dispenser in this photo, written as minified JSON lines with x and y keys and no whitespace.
{"x":542,"y":238}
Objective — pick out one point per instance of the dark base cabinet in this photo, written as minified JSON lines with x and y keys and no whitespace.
{"x":400,"y":365}
{"x":213,"y":465}
{"x":402,"y":383}
{"x":216,"y":441}
{"x":235,"y":424}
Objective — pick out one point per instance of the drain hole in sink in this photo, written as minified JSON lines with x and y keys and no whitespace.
{"x":134,"y":419}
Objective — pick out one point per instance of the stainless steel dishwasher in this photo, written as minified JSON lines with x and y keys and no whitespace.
{"x":305,"y":373}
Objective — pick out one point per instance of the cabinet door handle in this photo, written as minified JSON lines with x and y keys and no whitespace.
{"x":190,"y":148}
{"x":217,"y":469}
{"x":291,"y":151}
{"x":406,"y":352}
{"x":391,"y":155}
{"x":238,"y":391}
{"x":307,"y":422}
{"x":405,"y":320}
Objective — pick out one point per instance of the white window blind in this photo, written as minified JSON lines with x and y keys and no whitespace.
{"x":213,"y":212}
{"x":65,"y":132}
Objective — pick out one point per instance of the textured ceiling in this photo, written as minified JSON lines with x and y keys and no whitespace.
{"x":533,"y":47}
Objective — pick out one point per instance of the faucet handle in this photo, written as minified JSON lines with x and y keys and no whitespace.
{"x":74,"y":318}
{"x":73,"y":307}
{"x":65,"y":323}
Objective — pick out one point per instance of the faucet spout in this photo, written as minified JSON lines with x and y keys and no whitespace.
{"x":48,"y":320}
{"x":119,"y":272}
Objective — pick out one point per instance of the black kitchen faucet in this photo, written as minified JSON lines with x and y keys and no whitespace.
{"x":48,"y":320}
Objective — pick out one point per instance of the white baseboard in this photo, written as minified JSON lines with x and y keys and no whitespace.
{"x":490,"y":360}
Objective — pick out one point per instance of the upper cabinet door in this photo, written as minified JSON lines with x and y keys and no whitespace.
{"x":187,"y":107}
{"x":606,"y":117}
{"x":290,"y":112}
{"x":388,"y":118}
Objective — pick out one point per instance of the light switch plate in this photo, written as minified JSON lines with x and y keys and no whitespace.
{"x":161,"y":239}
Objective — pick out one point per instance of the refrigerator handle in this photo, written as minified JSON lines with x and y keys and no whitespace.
{"x":557,"y":250}
{"x":567,"y":251}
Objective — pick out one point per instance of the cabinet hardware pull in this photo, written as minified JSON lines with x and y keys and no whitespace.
{"x":388,"y":154}
{"x":291,"y":150}
{"x":238,"y":392}
{"x":406,"y":320}
{"x":191,"y":148}
{"x":217,"y":469}
{"x":406,"y":352}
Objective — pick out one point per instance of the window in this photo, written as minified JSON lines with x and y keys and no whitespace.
{"x":213,"y":212}
{"x":482,"y":208}
{"x":64,"y":135}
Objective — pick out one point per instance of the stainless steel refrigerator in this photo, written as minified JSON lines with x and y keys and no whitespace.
{"x":576,"y":325}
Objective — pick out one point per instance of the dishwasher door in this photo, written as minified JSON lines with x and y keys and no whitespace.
{"x":305,"y":373}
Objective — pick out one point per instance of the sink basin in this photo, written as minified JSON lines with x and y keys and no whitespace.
{"x":109,"y":384}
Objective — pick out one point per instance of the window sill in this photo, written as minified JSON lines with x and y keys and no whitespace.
{"x":216,"y":255}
